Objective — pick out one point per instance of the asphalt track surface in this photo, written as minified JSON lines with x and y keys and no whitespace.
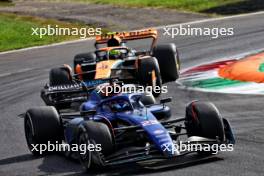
{"x":22,"y":74}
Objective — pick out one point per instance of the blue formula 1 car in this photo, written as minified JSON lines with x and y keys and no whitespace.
{"x":129,"y":128}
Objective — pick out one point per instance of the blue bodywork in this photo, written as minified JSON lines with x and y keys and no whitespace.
{"x":132,"y":113}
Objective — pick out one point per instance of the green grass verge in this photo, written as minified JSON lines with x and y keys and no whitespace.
{"x":15,"y":31}
{"x":184,"y":5}
{"x":5,"y":3}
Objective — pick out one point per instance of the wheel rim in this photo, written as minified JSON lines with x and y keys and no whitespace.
{"x":178,"y":65}
{"x":86,"y":157}
{"x":29,"y":133}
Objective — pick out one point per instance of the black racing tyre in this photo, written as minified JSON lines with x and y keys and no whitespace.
{"x":84,"y":58}
{"x":169,"y":62}
{"x":42,"y":125}
{"x":149,"y":75}
{"x":203,"y":119}
{"x":60,"y":76}
{"x":94,"y":133}
{"x":147,"y":99}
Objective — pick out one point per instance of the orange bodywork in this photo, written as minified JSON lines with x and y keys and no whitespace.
{"x":103,"y":69}
{"x":78,"y":70}
{"x":132,"y":35}
{"x":153,"y":77}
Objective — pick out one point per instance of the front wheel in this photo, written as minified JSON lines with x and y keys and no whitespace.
{"x":204,"y":120}
{"x":147,"y":99}
{"x":98,"y":135}
{"x":83,"y":58}
{"x":60,"y":76}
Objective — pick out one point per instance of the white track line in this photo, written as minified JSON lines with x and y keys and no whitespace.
{"x":223,"y":58}
{"x":212,"y":19}
{"x":18,"y":71}
{"x":157,"y":27}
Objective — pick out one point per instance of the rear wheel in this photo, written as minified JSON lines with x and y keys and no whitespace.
{"x":169,"y":62}
{"x":97,"y":134}
{"x":42,"y":125}
{"x":149,"y":75}
{"x":204,"y":120}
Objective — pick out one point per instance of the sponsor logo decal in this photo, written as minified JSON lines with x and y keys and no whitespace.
{"x":94,"y":82}
{"x":149,"y":122}
{"x":65,"y":87}
{"x":158,"y":131}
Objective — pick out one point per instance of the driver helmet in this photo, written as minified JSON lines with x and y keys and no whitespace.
{"x":114,"y":54}
{"x":114,"y":41}
{"x":120,"y":105}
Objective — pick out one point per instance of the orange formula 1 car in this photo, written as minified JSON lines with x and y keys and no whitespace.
{"x":114,"y":59}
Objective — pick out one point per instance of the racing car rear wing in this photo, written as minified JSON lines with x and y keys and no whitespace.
{"x":78,"y":91}
{"x":131,"y":35}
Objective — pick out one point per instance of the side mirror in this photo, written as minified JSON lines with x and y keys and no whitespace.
{"x":165,"y":100}
{"x":91,"y":112}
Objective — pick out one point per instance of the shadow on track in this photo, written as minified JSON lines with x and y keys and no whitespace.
{"x":56,"y":164}
{"x":136,"y":169}
{"x":237,"y":7}
{"x":17,"y":159}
